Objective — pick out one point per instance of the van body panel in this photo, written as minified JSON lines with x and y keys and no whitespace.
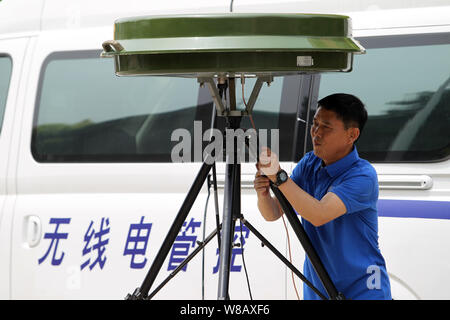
{"x":14,"y":51}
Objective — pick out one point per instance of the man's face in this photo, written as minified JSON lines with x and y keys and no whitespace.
{"x":331,"y":140}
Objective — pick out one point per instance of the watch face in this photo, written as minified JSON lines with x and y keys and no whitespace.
{"x":281,"y":177}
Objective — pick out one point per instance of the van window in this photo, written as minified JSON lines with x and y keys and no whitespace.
{"x":84,"y":113}
{"x":404,"y":81}
{"x":5,"y":75}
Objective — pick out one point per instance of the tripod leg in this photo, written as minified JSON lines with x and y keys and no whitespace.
{"x":231,"y":206}
{"x":307,"y":245}
{"x":216,"y":203}
{"x":142,"y":292}
{"x":281,"y":257}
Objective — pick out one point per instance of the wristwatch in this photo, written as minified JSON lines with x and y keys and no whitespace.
{"x":282,"y":177}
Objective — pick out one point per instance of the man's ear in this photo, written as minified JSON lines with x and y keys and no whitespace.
{"x":353,"y":134}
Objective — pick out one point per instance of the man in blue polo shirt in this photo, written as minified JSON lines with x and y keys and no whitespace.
{"x":335,"y":192}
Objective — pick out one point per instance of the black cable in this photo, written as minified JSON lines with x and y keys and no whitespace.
{"x":204,"y":231}
{"x":243,"y":260}
{"x":214,"y":184}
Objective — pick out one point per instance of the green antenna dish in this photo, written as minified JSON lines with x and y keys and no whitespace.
{"x":229,"y":45}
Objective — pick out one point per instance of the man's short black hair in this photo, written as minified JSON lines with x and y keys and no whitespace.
{"x":348,"y":108}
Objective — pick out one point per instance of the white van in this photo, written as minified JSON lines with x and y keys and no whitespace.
{"x":88,"y":191}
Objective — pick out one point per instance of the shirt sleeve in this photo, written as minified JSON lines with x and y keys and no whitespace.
{"x":358,"y":191}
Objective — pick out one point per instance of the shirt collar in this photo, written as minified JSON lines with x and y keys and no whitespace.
{"x":343,"y":164}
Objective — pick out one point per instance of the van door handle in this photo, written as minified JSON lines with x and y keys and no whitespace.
{"x":32,"y":231}
{"x":407,"y":181}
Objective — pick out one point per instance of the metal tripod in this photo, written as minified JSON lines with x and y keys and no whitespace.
{"x":231,"y":210}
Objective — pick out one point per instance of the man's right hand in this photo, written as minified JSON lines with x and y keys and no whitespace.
{"x":261,"y":184}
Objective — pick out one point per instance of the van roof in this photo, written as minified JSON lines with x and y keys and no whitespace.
{"x":42,"y":15}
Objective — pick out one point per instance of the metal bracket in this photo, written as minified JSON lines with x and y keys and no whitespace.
{"x":110,"y":46}
{"x":214,"y":94}
{"x":222,"y":110}
{"x":255,"y":92}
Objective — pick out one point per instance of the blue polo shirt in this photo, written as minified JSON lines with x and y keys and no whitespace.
{"x":347,"y":245}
